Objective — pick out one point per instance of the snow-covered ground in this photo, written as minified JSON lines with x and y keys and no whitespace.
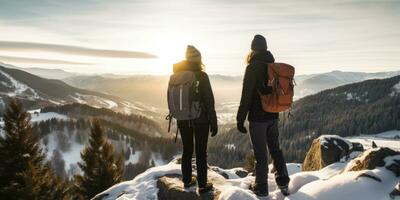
{"x":37,"y":117}
{"x":71,"y":156}
{"x":389,"y":139}
{"x":330,"y":183}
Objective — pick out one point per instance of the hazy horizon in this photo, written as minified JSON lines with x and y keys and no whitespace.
{"x":147,"y":37}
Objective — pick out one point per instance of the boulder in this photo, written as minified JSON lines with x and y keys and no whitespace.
{"x":172,"y":188}
{"x":325,"y":150}
{"x":374,"y":158}
{"x":357,"y":146}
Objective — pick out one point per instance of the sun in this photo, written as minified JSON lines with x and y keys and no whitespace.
{"x":170,"y":50}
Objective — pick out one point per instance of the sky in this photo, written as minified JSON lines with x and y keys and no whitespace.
{"x":148,"y":36}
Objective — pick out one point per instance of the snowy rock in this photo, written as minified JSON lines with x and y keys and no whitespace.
{"x":373,"y":158}
{"x":220,"y":172}
{"x":241,"y":173}
{"x":325,"y":150}
{"x":357,"y":146}
{"x":172,"y":188}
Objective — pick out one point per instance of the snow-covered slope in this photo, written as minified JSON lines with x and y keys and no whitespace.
{"x":389,"y":139}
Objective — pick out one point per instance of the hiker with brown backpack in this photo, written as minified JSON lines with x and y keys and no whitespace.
{"x":191,"y":103}
{"x":267,"y":90}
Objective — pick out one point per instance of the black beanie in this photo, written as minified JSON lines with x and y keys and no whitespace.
{"x":259,"y":43}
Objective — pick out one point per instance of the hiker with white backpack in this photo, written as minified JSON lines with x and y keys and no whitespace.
{"x":191,"y":103}
{"x":267,"y":90}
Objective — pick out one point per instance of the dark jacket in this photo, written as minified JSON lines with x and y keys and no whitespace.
{"x":254,"y":80}
{"x":208,"y":114}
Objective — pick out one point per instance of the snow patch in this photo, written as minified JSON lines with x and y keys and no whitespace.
{"x":71,"y":157}
{"x":324,"y":140}
{"x":395,"y":90}
{"x":38,"y":117}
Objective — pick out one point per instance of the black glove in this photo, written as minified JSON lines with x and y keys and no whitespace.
{"x":241,"y":128}
{"x":214,"y":128}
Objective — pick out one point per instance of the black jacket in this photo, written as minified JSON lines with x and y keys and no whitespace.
{"x":208,"y":114}
{"x":254,"y":80}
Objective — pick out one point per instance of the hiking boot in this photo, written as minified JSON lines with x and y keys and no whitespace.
{"x":208,"y":187}
{"x":284,"y":190}
{"x":190,"y":184}
{"x":259,"y":190}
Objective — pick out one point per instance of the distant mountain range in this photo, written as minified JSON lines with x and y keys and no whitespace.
{"x":311,"y":84}
{"x":36,"y":92}
{"x":227,"y":89}
{"x":148,"y":92}
{"x":43,"y":72}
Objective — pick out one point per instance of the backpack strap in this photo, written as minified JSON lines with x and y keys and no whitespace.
{"x":169,"y":118}
{"x":177,"y":132}
{"x":197,"y":85}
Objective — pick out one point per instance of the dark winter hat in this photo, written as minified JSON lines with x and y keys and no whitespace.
{"x":259,"y":43}
{"x":192,"y":54}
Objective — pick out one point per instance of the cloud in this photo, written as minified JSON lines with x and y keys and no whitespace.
{"x":72,"y":50}
{"x":12,"y":59}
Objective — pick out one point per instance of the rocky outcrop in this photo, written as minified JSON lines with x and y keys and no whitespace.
{"x":374,"y":158}
{"x":326,"y":150}
{"x":172,"y":188}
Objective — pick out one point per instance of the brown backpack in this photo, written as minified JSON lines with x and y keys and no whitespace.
{"x":281,"y":78}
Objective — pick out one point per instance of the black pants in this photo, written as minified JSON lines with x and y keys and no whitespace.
{"x":198,"y":132}
{"x":265,"y":134}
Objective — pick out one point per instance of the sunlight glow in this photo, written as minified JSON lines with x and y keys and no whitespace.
{"x":170,"y":49}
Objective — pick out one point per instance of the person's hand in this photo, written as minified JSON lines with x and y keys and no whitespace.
{"x":241,"y":128}
{"x":214,"y":128}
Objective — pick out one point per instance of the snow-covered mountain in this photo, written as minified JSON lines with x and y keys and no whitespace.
{"x":36,"y":92}
{"x":369,"y":175}
{"x":311,"y":84}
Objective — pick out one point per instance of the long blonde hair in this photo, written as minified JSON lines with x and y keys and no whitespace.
{"x":250,"y":56}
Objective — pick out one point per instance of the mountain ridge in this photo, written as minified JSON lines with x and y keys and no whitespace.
{"x":36,"y":92}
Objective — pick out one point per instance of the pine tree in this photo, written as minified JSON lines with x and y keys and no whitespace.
{"x":24,"y":173}
{"x":100,"y":165}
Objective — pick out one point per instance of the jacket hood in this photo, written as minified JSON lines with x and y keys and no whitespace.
{"x":262,"y":56}
{"x":186,"y":66}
